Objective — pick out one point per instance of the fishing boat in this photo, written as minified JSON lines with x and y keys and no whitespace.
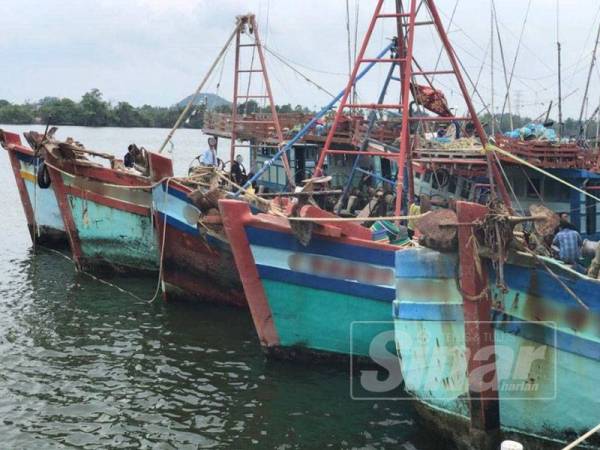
{"x":106,"y":210}
{"x":197,"y":263}
{"x":513,"y":347}
{"x":310,"y":276}
{"x":39,"y":202}
{"x":305,"y":297}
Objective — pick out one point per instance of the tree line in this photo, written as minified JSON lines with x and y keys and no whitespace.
{"x":94,"y":111}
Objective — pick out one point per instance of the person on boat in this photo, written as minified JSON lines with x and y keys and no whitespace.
{"x":569,"y":242}
{"x":129,"y":158}
{"x":238,"y":171}
{"x":209,"y":156}
{"x":414,"y":209}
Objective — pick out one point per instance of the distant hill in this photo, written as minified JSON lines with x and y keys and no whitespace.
{"x":211,"y":100}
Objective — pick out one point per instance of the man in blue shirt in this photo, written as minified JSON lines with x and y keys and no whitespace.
{"x":569,"y":244}
{"x":209,"y":156}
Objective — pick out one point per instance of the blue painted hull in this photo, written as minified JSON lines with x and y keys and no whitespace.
{"x":317,"y":294}
{"x":549,"y":392}
{"x":48,"y":224}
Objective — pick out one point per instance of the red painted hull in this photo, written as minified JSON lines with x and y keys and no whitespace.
{"x":194,"y":270}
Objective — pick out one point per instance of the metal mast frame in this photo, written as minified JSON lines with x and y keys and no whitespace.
{"x":406,"y":25}
{"x":247,"y":25}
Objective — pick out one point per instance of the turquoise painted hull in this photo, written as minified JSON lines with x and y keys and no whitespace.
{"x":314,"y":306}
{"x":549,"y":396}
{"x":325,"y":321}
{"x":114,"y":238}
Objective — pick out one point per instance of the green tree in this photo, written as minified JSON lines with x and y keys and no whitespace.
{"x":126,"y":115}
{"x":59,"y":111}
{"x":248,"y":107}
{"x":17,"y":114}
{"x":285,"y":109}
{"x":95,"y":112}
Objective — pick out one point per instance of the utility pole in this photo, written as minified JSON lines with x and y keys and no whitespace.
{"x":518,"y":93}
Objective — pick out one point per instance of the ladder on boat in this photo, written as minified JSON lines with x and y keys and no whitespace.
{"x":240,"y":121}
{"x":410,"y":73}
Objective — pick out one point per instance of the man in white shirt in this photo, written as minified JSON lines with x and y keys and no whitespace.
{"x":209,"y":156}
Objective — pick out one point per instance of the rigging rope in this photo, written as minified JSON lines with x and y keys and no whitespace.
{"x":442,"y":48}
{"x":506,"y":83}
{"x":306,"y":78}
{"x":512,"y":70}
{"x":198,"y":89}
{"x":493,"y":148}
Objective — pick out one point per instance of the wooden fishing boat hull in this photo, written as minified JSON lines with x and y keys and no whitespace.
{"x":108,"y":215}
{"x":44,"y":220}
{"x":306,"y":300}
{"x":195,"y":266}
{"x":546,"y":402}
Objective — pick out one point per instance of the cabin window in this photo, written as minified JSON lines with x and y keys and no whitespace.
{"x":427,"y":177}
{"x":555,"y":191}
{"x":518,"y":185}
{"x":533,"y":187}
{"x":452,"y":183}
{"x":417,"y":175}
{"x":466,"y":190}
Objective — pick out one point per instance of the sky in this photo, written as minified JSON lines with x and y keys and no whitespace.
{"x":157,"y":51}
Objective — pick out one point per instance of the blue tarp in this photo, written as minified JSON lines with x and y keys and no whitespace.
{"x":533,"y":131}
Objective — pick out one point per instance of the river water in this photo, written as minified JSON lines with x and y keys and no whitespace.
{"x":85,"y":365}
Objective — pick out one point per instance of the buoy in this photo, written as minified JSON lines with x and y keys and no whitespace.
{"x":511,"y":445}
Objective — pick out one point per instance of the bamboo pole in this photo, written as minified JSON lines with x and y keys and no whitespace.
{"x":193,"y":98}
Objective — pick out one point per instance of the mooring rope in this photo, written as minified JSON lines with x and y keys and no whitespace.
{"x":582,"y":438}
{"x":94,"y":277}
{"x":157,"y":291}
{"x":493,"y":148}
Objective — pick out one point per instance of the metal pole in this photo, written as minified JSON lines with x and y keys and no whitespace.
{"x":274,"y":115}
{"x":492,"y":67}
{"x":236,"y":81}
{"x":405,"y":133}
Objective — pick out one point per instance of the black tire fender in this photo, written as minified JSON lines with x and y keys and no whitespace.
{"x":43,"y":176}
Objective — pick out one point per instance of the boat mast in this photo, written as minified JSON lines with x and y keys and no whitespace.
{"x":493,"y":125}
{"x":587,"y":84}
{"x":248,"y":26}
{"x":560,"y":117}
